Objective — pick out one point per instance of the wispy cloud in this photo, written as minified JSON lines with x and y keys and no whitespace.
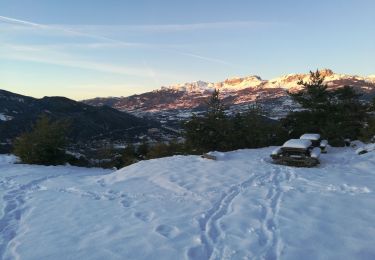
{"x":153,"y":28}
{"x":91,"y":31}
{"x":48,"y":56}
{"x":101,"y":45}
{"x":61,"y":29}
{"x":19,"y":22}
{"x":28,"y":52}
{"x":170,"y":28}
{"x":206,"y":58}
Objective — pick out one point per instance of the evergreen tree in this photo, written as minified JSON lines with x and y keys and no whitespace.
{"x":314,"y":95}
{"x":143,"y":150}
{"x":372,"y":106}
{"x":45,"y":144}
{"x":215,"y":106}
{"x":368,"y":131}
{"x":347,"y":112}
{"x":252,"y":129}
{"x":211,"y":131}
{"x":129,"y":156}
{"x":217,"y":131}
{"x":336,"y":114}
{"x":166,"y":149}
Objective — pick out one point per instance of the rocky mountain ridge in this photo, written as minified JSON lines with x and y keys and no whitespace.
{"x":180,"y":99}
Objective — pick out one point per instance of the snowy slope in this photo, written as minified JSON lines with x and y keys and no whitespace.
{"x":186,"y":207}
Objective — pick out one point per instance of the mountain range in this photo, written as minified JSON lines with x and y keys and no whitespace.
{"x":127,"y":119}
{"x":169,"y":104}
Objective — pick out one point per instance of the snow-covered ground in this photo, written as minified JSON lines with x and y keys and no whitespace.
{"x":186,"y":207}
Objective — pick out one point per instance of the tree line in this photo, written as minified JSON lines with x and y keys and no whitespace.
{"x":337,"y":114}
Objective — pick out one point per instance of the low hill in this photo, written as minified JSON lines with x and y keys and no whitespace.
{"x":88,"y":123}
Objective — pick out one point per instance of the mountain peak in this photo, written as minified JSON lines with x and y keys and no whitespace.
{"x":288,"y":81}
{"x":326,"y":72}
{"x":235,"y":91}
{"x":229,"y":84}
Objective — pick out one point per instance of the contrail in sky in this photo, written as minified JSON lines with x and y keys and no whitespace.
{"x":16,"y":21}
{"x":98,"y":37}
{"x":51,"y":27}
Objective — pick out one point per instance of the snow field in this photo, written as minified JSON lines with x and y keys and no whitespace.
{"x":185,"y":207}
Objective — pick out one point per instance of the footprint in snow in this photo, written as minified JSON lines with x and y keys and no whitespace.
{"x":198,"y":252}
{"x":144,"y":216}
{"x":167,"y":231}
{"x":126,"y":203}
{"x":101,"y":182}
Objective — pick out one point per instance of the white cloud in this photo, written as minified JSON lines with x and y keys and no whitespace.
{"x":153,"y":28}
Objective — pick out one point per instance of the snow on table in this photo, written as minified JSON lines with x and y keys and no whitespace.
{"x":185,"y":207}
{"x":315,"y":153}
{"x":314,"y":137}
{"x":297,"y":143}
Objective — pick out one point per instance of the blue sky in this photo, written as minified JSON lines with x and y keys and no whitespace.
{"x":87,"y":48}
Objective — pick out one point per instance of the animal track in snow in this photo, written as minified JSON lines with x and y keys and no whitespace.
{"x":126,"y":203}
{"x":211,"y":232}
{"x":314,"y":186}
{"x":144,"y":216}
{"x":14,"y":201}
{"x":167,"y":231}
{"x":345,"y":188}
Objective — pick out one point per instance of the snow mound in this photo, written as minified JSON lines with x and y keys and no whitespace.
{"x":240,"y":206}
{"x":8,"y":159}
{"x":365,"y":148}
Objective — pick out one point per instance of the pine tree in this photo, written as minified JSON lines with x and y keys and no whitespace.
{"x":314,"y":95}
{"x":252,"y":129}
{"x":45,"y":144}
{"x":212,"y":130}
{"x":215,"y":106}
{"x":336,"y":114}
{"x":368,"y":131}
{"x":129,"y":156}
{"x":349,"y":112}
{"x":143,"y":150}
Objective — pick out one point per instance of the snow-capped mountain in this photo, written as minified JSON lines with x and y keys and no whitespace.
{"x":286,"y":82}
{"x":180,"y":99}
{"x":228,"y":85}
